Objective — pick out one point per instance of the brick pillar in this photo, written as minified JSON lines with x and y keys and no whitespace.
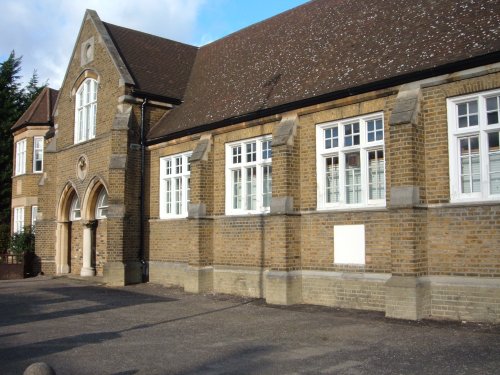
{"x":123,"y":221}
{"x":200,"y":269}
{"x":406,"y":296}
{"x":284,"y":285}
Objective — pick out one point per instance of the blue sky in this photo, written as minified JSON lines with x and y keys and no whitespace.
{"x":43,"y":32}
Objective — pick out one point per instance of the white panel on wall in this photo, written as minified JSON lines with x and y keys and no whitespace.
{"x":349,"y":244}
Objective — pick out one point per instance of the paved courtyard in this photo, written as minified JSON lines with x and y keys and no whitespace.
{"x":82,"y":328}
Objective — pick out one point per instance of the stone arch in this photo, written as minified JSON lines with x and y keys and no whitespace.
{"x":63,"y":229}
{"x":87,"y":73}
{"x":92,"y":228}
{"x":90,"y":198}
{"x":65,"y":199}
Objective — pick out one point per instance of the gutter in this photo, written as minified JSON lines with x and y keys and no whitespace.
{"x":372,"y":86}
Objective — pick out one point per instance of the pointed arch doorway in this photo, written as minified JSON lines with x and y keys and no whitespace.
{"x":68,"y":211}
{"x":94,"y":213}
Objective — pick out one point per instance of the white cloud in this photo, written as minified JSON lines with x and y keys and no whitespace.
{"x":44,"y":32}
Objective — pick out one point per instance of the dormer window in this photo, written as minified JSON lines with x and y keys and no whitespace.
{"x":86,"y":108}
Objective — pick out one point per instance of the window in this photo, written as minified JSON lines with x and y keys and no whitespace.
{"x":86,"y":107}
{"x":37,"y":154}
{"x":18,"y":219}
{"x":101,"y":208}
{"x":21,"y":157}
{"x":34,"y":212}
{"x":249,"y":176}
{"x":351,"y":162}
{"x":175,"y":185}
{"x":74,"y":211}
{"x":473,"y":141}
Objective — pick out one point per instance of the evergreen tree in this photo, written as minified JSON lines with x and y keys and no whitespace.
{"x":14,"y":100}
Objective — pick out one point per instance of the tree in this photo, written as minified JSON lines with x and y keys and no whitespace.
{"x":14,"y":100}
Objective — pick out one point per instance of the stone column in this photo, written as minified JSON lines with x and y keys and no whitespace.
{"x":407,"y":297}
{"x":283,"y":282}
{"x":62,"y":233}
{"x":88,"y":230}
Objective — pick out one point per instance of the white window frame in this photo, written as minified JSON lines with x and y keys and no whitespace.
{"x":18,"y":219}
{"x":102,"y":205}
{"x":260,"y":163}
{"x":175,"y":185}
{"x":34,"y":212}
{"x":75,"y":212}
{"x":455,"y":133}
{"x":340,"y":150}
{"x":21,"y":157}
{"x":86,"y":110}
{"x":38,"y":154}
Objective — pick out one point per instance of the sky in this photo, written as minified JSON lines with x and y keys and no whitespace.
{"x":44,"y":32}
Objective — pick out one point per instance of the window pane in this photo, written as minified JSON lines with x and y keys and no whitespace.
{"x":467,"y":114}
{"x":470,"y":169}
{"x":331,"y":138}
{"x":494,"y":162}
{"x":178,"y":165}
{"x":266,"y":185}
{"x":353,"y":178}
{"x":266,"y":150}
{"x":251,"y":150}
{"x":332,"y":179}
{"x":236,"y":181}
{"x":376,"y":174}
{"x":237,"y":155}
{"x":251,"y":188}
{"x":168,"y":197}
{"x":178,"y":195}
{"x":351,"y":134}
{"x":492,"y":107}
{"x":168,"y":167}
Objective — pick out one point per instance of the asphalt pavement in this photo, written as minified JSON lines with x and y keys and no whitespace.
{"x":80,"y":327}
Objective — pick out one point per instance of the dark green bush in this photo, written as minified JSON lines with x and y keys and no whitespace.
{"x":23,"y":242}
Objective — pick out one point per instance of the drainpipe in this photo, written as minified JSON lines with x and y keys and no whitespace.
{"x":144,"y":266}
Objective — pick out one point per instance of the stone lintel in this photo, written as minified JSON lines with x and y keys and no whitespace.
{"x":404,"y":196}
{"x":202,"y":148}
{"x":116,"y":211}
{"x":118,"y":162}
{"x":286,"y":131}
{"x":51,"y":147}
{"x":197,"y":210}
{"x":406,"y":107}
{"x":281,"y":205}
{"x":122,"y":118}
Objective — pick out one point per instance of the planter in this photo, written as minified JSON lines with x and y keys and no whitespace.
{"x":16,"y":267}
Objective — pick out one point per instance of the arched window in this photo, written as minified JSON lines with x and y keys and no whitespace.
{"x":86,"y":108}
{"x":101,"y":208}
{"x":74,"y":210}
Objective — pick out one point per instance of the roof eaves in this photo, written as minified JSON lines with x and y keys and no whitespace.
{"x":452,"y":67}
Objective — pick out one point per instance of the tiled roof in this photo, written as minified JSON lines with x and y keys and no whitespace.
{"x":159,"y":66}
{"x":328,"y":46}
{"x":40,"y":111}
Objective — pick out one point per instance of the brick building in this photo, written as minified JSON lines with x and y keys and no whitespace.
{"x":343,"y":153}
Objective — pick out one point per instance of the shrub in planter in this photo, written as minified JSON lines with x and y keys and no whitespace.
{"x":23,"y":242}
{"x":22,"y":245}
